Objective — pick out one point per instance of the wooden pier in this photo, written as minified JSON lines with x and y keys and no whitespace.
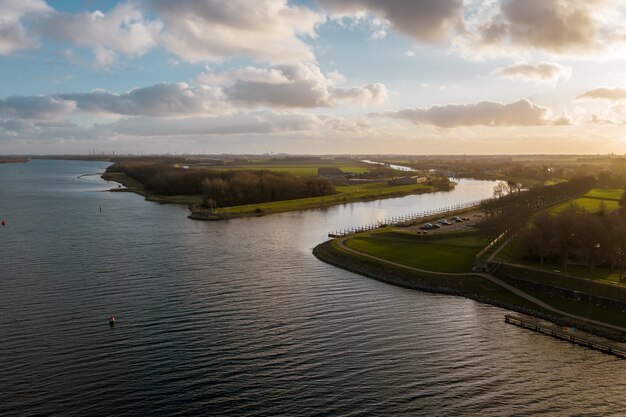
{"x":567,"y":336}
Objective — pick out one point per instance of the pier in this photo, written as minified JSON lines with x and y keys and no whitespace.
{"x":567,"y":336}
{"x":402,"y":219}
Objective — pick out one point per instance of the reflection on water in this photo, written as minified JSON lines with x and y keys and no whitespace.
{"x":393,"y":166}
{"x":238,"y":318}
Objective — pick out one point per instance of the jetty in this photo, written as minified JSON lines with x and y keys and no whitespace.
{"x":403,"y":219}
{"x":566,"y":336}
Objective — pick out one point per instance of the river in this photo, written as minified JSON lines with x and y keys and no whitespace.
{"x":238,"y":318}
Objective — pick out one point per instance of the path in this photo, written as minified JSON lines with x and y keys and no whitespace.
{"x":489,"y":277}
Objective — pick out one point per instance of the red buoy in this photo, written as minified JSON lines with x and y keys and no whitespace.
{"x":4,"y":222}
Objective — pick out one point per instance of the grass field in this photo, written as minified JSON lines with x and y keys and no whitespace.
{"x":581,"y":308}
{"x":302,"y":170}
{"x":606,"y":193}
{"x":446,"y":254}
{"x":590,"y":204}
{"x":511,"y":254}
{"x":345,"y":194}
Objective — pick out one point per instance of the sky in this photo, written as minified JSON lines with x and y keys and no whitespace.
{"x":313,"y":76}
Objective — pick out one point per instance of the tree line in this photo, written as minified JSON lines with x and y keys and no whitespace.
{"x":512,"y":207}
{"x":577,"y":236}
{"x":224,"y":188}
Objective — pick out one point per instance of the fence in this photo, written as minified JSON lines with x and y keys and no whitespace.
{"x":567,"y":336}
{"x":398,"y":220}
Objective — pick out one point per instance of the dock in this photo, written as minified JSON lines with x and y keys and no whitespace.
{"x":567,"y":336}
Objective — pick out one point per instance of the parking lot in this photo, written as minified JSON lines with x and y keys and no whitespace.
{"x":474,"y":217}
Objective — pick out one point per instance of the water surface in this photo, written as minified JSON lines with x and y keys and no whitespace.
{"x":238,"y":318}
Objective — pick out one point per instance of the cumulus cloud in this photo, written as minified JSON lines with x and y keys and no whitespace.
{"x":288,"y":86}
{"x":268,"y":30}
{"x":557,"y":26}
{"x":13,"y":34}
{"x":236,"y":90}
{"x":365,"y":94}
{"x":519,"y":113}
{"x":165,"y":100}
{"x":604,"y":93}
{"x":123,"y":30}
{"x":36,"y":107}
{"x":195,"y":30}
{"x":542,"y":72}
{"x":423,"y":20}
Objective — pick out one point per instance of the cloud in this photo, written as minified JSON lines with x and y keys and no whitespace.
{"x":378,"y":34}
{"x":164,"y":100}
{"x":604,"y":93}
{"x":291,"y":86}
{"x":519,"y":113}
{"x":423,"y":20}
{"x":542,"y":72}
{"x":236,"y":90}
{"x":13,"y":34}
{"x":576,"y":27}
{"x":253,"y":123}
{"x":246,"y":74}
{"x":365,"y":94}
{"x":208,"y":30}
{"x":35,"y":107}
{"x":123,"y":30}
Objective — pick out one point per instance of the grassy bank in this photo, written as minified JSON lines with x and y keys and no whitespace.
{"x":443,"y":253}
{"x":345,"y":194}
{"x":298,"y":170}
{"x":473,"y":287}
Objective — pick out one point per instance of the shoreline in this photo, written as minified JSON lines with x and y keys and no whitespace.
{"x":192,"y":201}
{"x":468,"y":286}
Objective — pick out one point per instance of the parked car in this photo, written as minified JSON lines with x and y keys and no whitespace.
{"x":444,"y":222}
{"x":427,"y":226}
{"x":465,"y":219}
{"x":457,"y":219}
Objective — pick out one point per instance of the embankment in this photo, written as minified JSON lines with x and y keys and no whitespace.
{"x":469,"y":286}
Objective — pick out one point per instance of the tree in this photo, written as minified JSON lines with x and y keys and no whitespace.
{"x":546,"y":235}
{"x":566,"y":232}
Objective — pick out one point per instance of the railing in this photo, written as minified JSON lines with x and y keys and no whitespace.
{"x":567,"y":336}
{"x":398,"y":220}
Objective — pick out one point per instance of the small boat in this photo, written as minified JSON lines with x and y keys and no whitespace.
{"x":111,"y":320}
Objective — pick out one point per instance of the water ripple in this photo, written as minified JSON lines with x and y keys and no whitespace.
{"x":238,"y":318}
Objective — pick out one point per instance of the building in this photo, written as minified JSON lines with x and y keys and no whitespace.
{"x":406,"y":180}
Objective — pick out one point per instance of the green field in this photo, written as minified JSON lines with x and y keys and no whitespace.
{"x":606,"y":193}
{"x":590,"y":204}
{"x":302,"y":170}
{"x":345,"y":194}
{"x":448,"y":253}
